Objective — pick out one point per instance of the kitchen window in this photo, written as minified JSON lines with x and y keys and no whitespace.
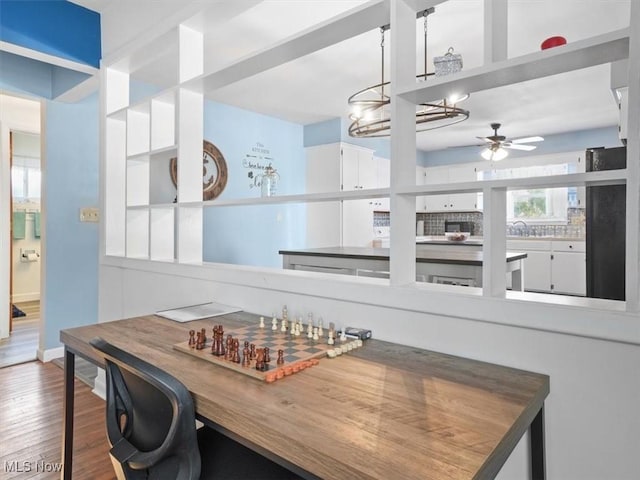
{"x":534,"y":205}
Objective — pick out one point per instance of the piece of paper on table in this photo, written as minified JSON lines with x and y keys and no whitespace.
{"x":197,"y":312}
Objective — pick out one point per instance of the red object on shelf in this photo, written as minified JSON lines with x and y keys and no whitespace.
{"x":553,"y":42}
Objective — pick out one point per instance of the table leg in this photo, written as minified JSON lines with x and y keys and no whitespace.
{"x":67,"y":432}
{"x":538,"y":465}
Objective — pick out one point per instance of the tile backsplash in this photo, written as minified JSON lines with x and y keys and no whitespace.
{"x":434,"y":224}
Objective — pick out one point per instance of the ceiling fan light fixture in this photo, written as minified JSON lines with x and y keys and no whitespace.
{"x":494,"y":154}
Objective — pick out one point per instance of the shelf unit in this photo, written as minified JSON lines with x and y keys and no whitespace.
{"x":140,"y":137}
{"x":146,"y":215}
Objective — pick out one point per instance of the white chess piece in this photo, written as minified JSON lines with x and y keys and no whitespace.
{"x":274,"y":324}
{"x":343,"y":335}
{"x":261,"y":322}
{"x":320,"y":331}
{"x":330,"y":341}
{"x":283,"y":328}
{"x":315,"y":334}
{"x":309,"y":331}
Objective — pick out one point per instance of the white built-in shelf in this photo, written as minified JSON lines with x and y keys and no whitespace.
{"x":593,"y":51}
{"x":590,"y":179}
{"x":141,"y":219}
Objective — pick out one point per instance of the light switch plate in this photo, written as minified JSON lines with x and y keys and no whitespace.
{"x":89,"y":214}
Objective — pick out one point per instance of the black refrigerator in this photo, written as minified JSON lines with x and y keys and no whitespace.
{"x":606,"y":227}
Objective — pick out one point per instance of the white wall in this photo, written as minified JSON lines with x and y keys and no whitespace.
{"x":15,"y":114}
{"x":592,"y":419}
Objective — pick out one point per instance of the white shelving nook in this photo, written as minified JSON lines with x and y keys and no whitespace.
{"x":145,"y":213}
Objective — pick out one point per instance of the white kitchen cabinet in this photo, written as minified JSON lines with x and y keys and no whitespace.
{"x":359,"y":168}
{"x":449,"y":202}
{"x":537,"y":265}
{"x":341,"y":166}
{"x":568,"y":268}
{"x":384,"y":181}
{"x":323,"y":174}
{"x":537,"y":271}
{"x":553,"y":266}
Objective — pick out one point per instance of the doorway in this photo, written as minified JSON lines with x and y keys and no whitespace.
{"x":20,"y":223}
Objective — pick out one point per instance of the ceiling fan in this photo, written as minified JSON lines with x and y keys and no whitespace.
{"x":497,"y":144}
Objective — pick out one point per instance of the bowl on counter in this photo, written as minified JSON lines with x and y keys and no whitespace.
{"x":456,"y":236}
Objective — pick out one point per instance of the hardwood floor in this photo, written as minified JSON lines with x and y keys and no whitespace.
{"x":31,"y":425}
{"x":22,"y":345}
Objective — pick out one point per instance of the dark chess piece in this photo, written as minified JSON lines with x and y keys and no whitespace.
{"x":253,"y":351}
{"x":236,"y":354}
{"x":260,"y":365}
{"x":246,"y":361}
{"x":228,"y":355}
{"x":280,"y":360}
{"x":267,"y":358}
{"x":192,"y":338}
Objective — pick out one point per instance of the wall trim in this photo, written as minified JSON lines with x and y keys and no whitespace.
{"x":100,"y":384}
{"x":25,"y":297}
{"x":50,"y":354}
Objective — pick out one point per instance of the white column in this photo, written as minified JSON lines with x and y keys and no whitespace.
{"x":633,"y":166}
{"x":403,"y":144}
{"x":494,"y":279}
{"x":495,"y":30}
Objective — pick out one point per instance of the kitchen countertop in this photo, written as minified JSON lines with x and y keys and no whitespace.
{"x":452,"y":256}
{"x":441,"y":240}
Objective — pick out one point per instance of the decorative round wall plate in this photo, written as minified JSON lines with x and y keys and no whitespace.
{"x":214,"y":171}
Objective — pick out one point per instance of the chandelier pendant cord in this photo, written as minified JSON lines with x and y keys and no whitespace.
{"x":382,"y":29}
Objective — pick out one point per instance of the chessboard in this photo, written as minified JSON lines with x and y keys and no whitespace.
{"x":299,"y":352}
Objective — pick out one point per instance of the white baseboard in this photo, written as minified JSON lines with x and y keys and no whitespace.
{"x":50,"y":354}
{"x":100,"y":385}
{"x":25,"y":297}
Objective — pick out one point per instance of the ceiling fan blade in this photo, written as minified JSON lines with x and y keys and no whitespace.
{"x":516,"y":146}
{"x":485,"y":139}
{"x":527,"y":139}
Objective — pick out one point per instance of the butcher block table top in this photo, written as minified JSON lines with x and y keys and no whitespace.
{"x":382,"y":411}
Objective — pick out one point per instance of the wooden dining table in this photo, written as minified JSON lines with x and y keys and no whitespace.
{"x":381,"y":411}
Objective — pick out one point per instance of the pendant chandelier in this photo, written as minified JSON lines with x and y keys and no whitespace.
{"x":370,"y":107}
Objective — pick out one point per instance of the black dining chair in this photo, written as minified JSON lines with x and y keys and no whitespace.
{"x":151,"y":429}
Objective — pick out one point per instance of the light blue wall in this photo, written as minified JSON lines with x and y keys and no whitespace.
{"x":70,"y":182}
{"x":253,"y":235}
{"x":336,"y":130}
{"x":32,"y":77}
